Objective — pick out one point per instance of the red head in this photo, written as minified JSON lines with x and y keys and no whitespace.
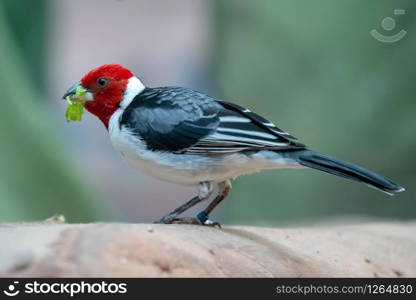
{"x":105,"y":87}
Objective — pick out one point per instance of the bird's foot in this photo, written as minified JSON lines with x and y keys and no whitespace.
{"x":201,"y":219}
{"x":195,"y":221}
{"x":186,"y":220}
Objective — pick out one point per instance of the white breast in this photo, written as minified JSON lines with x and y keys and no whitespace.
{"x":175,"y":168}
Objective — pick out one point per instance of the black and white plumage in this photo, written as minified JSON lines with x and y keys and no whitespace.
{"x":180,"y":120}
{"x":185,"y":137}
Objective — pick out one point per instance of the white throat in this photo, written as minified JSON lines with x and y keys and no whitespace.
{"x":134,"y":87}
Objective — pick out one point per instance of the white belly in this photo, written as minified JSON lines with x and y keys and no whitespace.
{"x":189,"y":169}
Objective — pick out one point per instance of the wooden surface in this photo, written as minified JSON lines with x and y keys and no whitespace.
{"x":149,"y":250}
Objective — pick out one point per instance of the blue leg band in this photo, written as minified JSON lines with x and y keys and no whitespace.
{"x":202,"y":216}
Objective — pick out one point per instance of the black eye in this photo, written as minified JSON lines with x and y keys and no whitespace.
{"x":102,"y":81}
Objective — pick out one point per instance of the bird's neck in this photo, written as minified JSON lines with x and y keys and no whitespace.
{"x":102,"y":111}
{"x":104,"y":106}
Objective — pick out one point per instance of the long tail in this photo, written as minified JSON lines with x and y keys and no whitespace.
{"x":341,"y":168}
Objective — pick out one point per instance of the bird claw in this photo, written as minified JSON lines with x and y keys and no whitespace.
{"x":189,"y":220}
{"x":212,"y":224}
{"x":195,"y":221}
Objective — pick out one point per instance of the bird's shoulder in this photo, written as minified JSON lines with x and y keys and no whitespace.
{"x":171,"y":118}
{"x":180,"y":98}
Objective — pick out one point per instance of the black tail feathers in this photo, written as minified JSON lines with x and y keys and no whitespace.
{"x":341,"y":168}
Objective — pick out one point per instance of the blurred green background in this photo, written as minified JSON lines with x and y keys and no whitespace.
{"x":312,"y":67}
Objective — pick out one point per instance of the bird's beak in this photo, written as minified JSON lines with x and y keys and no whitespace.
{"x":78,"y":93}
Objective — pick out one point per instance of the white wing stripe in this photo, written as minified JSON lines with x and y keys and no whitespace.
{"x":228,"y":143}
{"x":218,"y":136}
{"x":214,"y":149}
{"x":245,"y":132}
{"x":233,"y":119}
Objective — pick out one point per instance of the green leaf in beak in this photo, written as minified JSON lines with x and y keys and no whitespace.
{"x":75,"y":110}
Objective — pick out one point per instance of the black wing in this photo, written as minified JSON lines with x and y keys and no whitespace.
{"x":185,"y":121}
{"x":171,"y":119}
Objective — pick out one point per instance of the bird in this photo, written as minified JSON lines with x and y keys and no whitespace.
{"x":186,"y":137}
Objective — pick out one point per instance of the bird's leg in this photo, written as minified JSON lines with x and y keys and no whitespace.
{"x":205,"y":190}
{"x":224,"y":189}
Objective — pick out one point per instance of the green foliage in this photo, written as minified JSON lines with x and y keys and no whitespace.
{"x":36,"y":181}
{"x":313,"y":68}
{"x":28,"y":24}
